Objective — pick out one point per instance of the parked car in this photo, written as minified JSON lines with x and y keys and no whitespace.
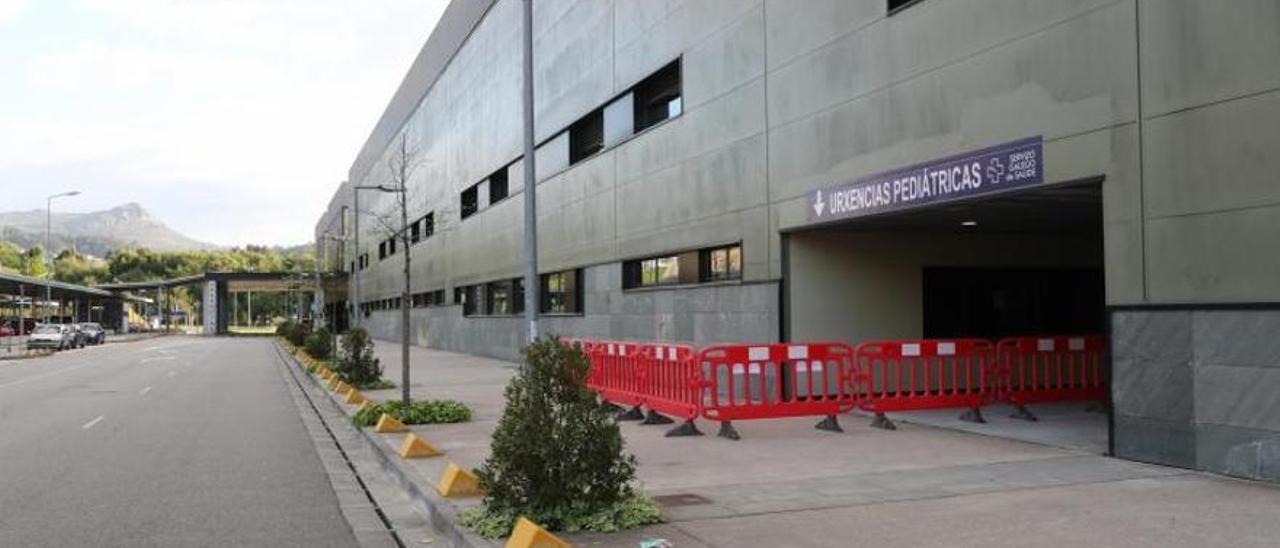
{"x":78,"y":334}
{"x":6,"y":330}
{"x":55,"y":336}
{"x":94,"y":333}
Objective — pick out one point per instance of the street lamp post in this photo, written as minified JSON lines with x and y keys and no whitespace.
{"x":405,"y":295}
{"x":531,"y":285}
{"x":48,"y":242}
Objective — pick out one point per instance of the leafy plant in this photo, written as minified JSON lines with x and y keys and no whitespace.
{"x":356,"y":363}
{"x":380,"y":384}
{"x":320,"y":344}
{"x":416,"y":412}
{"x":557,"y":453}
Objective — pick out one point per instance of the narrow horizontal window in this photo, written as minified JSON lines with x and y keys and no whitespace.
{"x":658,"y":97}
{"x":470,"y":202}
{"x":722,"y":263}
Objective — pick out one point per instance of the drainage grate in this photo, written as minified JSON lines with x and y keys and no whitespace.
{"x":681,"y":499}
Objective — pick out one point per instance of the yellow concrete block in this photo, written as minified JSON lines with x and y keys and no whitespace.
{"x":388,"y":424}
{"x":367,"y":404}
{"x":528,"y":534}
{"x":457,"y":482}
{"x":415,"y":447}
{"x":355,"y":397}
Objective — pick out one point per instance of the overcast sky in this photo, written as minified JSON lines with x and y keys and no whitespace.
{"x":230,"y":120}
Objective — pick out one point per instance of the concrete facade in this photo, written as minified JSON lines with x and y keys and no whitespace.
{"x":1172,"y":104}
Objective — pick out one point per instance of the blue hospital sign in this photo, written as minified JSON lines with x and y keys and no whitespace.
{"x":994,"y":169}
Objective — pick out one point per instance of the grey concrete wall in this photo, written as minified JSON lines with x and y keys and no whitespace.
{"x":855,"y":286}
{"x":1197,"y":389}
{"x":729,"y":312}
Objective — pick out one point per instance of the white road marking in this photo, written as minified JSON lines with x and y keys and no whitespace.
{"x":90,"y":424}
{"x":158,"y":358}
{"x":144,"y":391}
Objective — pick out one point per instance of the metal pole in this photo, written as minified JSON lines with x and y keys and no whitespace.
{"x":355,"y":275}
{"x":48,"y":242}
{"x":405,"y":296}
{"x":530,"y":184}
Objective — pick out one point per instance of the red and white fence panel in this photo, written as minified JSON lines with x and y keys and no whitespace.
{"x":765,"y":381}
{"x":912,"y":374}
{"x":1051,"y":368}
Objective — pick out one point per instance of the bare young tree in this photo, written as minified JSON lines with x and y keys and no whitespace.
{"x":393,"y":223}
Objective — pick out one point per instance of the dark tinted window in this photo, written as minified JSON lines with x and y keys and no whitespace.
{"x":586,"y":137}
{"x":657,"y":98}
{"x":498,"y":186}
{"x":470,"y":202}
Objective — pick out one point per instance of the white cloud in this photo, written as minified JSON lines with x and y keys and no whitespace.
{"x":11,"y":9}
{"x":264,"y":102}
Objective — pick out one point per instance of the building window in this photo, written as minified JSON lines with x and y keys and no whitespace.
{"x":391,"y":246}
{"x":498,"y":186}
{"x":561,"y":292}
{"x":657,"y":98}
{"x":721,"y":263}
{"x":586,"y":137}
{"x":470,"y":202}
{"x":472,"y":299}
{"x":428,"y":225}
{"x":382,"y":250}
{"x":500,"y":299}
{"x":899,"y":5}
{"x":459,"y":295}
{"x":652,"y":272}
{"x":415,"y":232}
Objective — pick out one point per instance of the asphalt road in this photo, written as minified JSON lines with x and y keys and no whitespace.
{"x":178,"y":441}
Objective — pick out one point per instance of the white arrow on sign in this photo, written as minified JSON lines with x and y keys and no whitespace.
{"x":818,"y":206}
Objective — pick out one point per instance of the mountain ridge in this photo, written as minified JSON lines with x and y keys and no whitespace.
{"x":97,"y":232}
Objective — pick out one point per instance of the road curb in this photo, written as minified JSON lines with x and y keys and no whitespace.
{"x":441,"y":514}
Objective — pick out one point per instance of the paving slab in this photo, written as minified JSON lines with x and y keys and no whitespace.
{"x":787,"y":484}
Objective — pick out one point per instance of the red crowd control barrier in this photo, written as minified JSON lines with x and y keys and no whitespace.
{"x":748,"y":381}
{"x":672,"y":380}
{"x":612,"y":375}
{"x":900,"y":375}
{"x":1048,"y":369}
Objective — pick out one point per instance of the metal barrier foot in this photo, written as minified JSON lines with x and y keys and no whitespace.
{"x":882,"y":422}
{"x":829,"y":424}
{"x":610,"y":407}
{"x":686,"y":428}
{"x":634,"y":414}
{"x":655,"y":417}
{"x":973,"y":415}
{"x":728,"y":431}
{"x":1022,"y":413}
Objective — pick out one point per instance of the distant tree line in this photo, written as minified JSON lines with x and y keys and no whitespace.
{"x":140,"y":265}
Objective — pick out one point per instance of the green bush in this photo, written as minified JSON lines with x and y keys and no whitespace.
{"x":356,"y":363}
{"x":293,"y":332}
{"x":557,"y":453}
{"x":416,"y":412}
{"x":320,"y":344}
{"x":285,"y":329}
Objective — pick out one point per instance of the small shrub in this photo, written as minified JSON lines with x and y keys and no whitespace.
{"x":417,"y":412}
{"x":284,"y":328}
{"x":557,"y":453}
{"x":380,"y":384}
{"x":356,"y":363}
{"x":320,"y":344}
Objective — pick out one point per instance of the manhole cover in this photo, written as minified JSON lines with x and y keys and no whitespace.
{"x":682,"y":499}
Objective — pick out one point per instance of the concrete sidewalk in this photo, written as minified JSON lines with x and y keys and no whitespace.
{"x":787,"y":484}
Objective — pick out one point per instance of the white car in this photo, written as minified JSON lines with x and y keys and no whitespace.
{"x":56,"y":336}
